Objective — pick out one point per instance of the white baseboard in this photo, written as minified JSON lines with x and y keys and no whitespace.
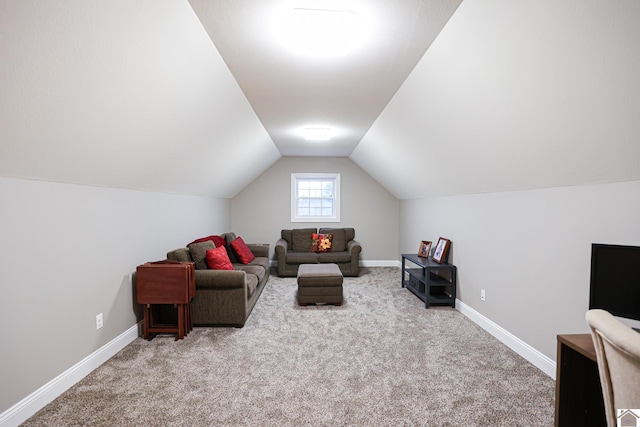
{"x":363,"y":263}
{"x":536,"y":358}
{"x":380,"y":263}
{"x":37,"y":400}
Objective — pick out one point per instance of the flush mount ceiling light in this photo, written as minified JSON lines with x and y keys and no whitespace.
{"x":317,"y":134}
{"x":322,"y":32}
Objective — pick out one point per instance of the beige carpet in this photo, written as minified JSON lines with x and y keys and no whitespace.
{"x":381,"y":359}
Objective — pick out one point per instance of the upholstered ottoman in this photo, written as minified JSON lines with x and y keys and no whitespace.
{"x":319,"y":283}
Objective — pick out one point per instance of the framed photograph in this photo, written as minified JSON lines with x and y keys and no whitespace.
{"x":425,"y":249}
{"x":442,"y":250}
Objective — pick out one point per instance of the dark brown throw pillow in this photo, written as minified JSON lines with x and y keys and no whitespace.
{"x":199,"y":253}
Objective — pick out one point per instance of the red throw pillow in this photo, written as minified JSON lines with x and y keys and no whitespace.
{"x":217,"y":259}
{"x":217,"y":240}
{"x":321,"y":242}
{"x":242,"y":251}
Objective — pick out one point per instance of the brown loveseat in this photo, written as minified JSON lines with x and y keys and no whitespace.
{"x":225,"y":297}
{"x":294,"y":248}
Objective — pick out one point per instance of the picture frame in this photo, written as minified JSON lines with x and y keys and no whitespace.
{"x":425,"y":249}
{"x":441,"y":253}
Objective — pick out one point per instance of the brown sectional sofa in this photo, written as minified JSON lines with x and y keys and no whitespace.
{"x":225,"y":297}
{"x":294,"y":248}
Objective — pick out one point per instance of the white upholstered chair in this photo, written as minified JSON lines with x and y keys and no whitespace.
{"x":618,"y":353}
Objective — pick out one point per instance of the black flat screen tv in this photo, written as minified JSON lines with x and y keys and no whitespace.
{"x":615,"y":280}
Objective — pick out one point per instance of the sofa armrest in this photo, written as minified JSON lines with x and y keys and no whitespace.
{"x":354,"y":247}
{"x":281,"y":247}
{"x":220,"y":279}
{"x":259,"y":249}
{"x":281,"y":253}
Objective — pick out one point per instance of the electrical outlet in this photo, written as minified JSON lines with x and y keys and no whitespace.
{"x":483,"y":296}
{"x":99,"y":321}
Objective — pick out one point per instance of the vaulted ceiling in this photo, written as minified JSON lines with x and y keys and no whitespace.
{"x":442,"y":98}
{"x":290,"y":91}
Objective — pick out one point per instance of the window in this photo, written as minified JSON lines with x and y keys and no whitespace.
{"x":315,"y":197}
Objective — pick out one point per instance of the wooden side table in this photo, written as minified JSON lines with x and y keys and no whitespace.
{"x":166,"y":282}
{"x":579,"y":400}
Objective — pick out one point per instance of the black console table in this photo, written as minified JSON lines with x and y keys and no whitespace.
{"x":433,"y":283}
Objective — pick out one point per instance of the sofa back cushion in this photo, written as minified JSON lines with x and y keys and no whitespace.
{"x":180,"y":254}
{"x":301,"y":239}
{"x":230,"y":237}
{"x":199,"y":253}
{"x":340,"y":237}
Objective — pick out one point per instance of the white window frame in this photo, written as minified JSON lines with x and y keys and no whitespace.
{"x":297,"y":177}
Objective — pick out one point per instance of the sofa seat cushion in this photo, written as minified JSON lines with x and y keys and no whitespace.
{"x":334,"y":257}
{"x":252,"y":284}
{"x":301,"y":257}
{"x":301,"y":239}
{"x":256,"y":270}
{"x":262,"y":261}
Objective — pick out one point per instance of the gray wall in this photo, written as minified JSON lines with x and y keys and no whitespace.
{"x":530,"y":250}
{"x":263,"y":208}
{"x":68,"y":252}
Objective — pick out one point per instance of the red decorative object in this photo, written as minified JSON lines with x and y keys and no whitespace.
{"x":321,"y":242}
{"x":242,"y":251}
{"x":217,"y":259}
{"x":217,"y":240}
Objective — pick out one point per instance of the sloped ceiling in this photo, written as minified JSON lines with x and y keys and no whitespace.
{"x":124,"y":94}
{"x":512,"y":96}
{"x":134,"y":94}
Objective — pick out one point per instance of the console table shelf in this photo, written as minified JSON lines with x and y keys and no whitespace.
{"x":433,"y":283}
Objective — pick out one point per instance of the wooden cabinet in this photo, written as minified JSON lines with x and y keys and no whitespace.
{"x":430,"y":281}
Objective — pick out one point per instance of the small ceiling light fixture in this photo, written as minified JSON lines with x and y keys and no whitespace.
{"x":322,"y":32}
{"x":317,"y":134}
